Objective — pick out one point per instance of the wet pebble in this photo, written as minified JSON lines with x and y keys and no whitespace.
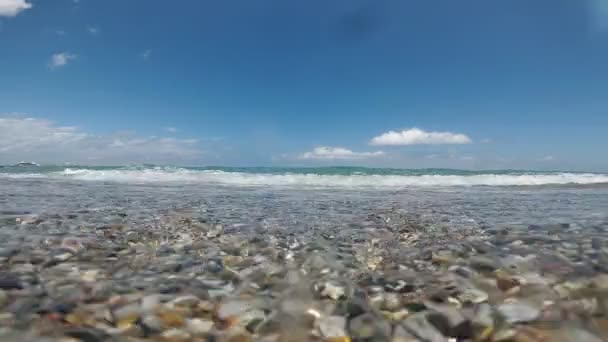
{"x":518,"y":312}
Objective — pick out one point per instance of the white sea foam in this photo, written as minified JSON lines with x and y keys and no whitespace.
{"x":158,"y":175}
{"x":22,"y":175}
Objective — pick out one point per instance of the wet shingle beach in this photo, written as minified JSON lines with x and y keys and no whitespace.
{"x":115,"y":260}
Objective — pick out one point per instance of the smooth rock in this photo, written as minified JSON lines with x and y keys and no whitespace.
{"x":197,"y":326}
{"x":483,"y":316}
{"x":518,"y":312}
{"x":418,"y":326}
{"x":391,"y":302}
{"x":87,"y":334}
{"x":175,"y":335}
{"x":401,"y":335}
{"x":368,"y":326}
{"x":185,"y":301}
{"x":473,"y":296}
{"x":150,"y":303}
{"x":450,"y":321}
{"x":152,"y":323}
{"x":126,"y":314}
{"x":572,"y":334}
{"x":3,"y":298}
{"x":10,"y":282}
{"x":332,"y":326}
{"x":232,"y":308}
{"x":333,"y":291}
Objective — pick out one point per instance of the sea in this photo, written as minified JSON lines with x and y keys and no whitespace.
{"x":304,"y":198}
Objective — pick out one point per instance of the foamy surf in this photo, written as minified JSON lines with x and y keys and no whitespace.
{"x":174,"y":175}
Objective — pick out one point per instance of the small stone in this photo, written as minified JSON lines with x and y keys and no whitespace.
{"x":6,"y":319}
{"x":579,"y":335}
{"x":367,"y":326}
{"x":87,"y":334}
{"x":90,"y":276}
{"x":231,"y":309}
{"x":483,"y":316}
{"x":392,"y":302}
{"x":473,"y":296}
{"x":339,"y":339}
{"x":450,"y":322}
{"x":518,"y":312}
{"x":152,"y":323}
{"x":504,"y":335}
{"x":126,"y":315}
{"x":238,"y":335}
{"x":482,"y":264}
{"x":442,"y":257}
{"x":198,"y":327}
{"x":332,"y":291}
{"x":24,"y":307}
{"x":175,"y":335}
{"x":10,"y":282}
{"x":332,"y":327}
{"x":401,"y":335}
{"x":185,"y":301}
{"x":61,"y":257}
{"x":529,"y":334}
{"x":418,"y":326}
{"x":3,"y":298}
{"x":150,"y":303}
{"x":505,"y":282}
{"x":399,"y":286}
{"x":398,"y":315}
{"x":172,"y":318}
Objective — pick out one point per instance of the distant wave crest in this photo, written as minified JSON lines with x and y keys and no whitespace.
{"x":159,"y":175}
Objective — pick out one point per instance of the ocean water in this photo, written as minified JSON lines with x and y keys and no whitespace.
{"x":341,"y":177}
{"x":307,"y":198}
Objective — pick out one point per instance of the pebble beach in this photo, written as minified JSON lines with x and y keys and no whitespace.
{"x":116,"y":261}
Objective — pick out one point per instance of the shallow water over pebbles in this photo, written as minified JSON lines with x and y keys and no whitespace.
{"x":99,"y":261}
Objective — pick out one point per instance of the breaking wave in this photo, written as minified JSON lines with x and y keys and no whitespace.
{"x":160,"y":175}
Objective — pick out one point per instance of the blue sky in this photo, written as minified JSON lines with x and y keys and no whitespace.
{"x":306,"y":82}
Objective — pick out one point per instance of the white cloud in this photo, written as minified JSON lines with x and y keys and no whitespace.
{"x":93,"y":30}
{"x":333,"y":153}
{"x":548,"y":158}
{"x":10,"y":8}
{"x":416,"y":136}
{"x":40,"y":140}
{"x":61,"y":59}
{"x":60,"y":32}
{"x":146,"y":55}
{"x":598,"y":11}
{"x":171,"y":129}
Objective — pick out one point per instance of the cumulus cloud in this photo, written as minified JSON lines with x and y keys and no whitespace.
{"x":548,"y":158}
{"x":416,"y":136}
{"x":41,"y":140}
{"x":598,"y":11}
{"x":338,"y":153}
{"x":61,"y":59}
{"x":171,"y":129}
{"x":10,"y":8}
